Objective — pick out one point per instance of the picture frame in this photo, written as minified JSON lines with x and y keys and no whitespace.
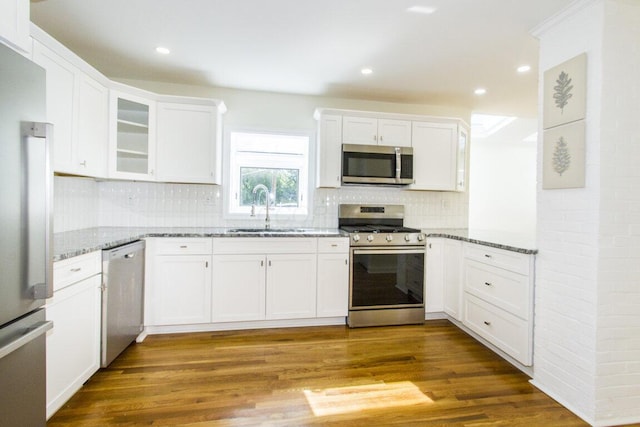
{"x":563,"y":156}
{"x":564,"y":92}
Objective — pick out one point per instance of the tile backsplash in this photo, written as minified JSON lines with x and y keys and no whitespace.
{"x":84,"y":203}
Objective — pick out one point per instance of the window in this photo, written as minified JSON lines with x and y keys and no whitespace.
{"x":278,"y":162}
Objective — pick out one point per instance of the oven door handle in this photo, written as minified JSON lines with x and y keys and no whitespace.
{"x":388,"y":251}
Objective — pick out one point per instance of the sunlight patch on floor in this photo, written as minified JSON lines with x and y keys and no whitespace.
{"x":342,"y":400}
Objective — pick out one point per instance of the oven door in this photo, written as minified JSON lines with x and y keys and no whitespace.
{"x":386,"y":278}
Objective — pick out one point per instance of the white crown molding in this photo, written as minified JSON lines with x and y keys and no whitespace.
{"x":552,"y":21}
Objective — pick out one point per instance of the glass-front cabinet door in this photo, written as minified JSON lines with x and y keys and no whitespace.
{"x":132,"y":148}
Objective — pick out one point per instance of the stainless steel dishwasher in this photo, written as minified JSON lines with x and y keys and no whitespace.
{"x":122,"y":298}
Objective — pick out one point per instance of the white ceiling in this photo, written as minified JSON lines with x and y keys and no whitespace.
{"x":316,"y":47}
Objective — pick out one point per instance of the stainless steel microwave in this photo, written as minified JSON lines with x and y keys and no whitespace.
{"x":377,"y":164}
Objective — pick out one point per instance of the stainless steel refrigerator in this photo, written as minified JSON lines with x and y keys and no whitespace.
{"x":25,"y":242}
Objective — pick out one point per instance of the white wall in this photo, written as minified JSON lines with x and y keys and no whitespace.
{"x":135,"y":204}
{"x":587,"y":324}
{"x":502,"y":181}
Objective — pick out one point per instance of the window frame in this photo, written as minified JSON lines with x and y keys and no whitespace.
{"x":232,"y":209}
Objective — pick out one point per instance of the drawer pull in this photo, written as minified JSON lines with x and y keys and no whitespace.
{"x":183,"y":246}
{"x":334,"y":245}
{"x":487,"y":256}
{"x":487,"y":323}
{"x":75,"y":270}
{"x":487,"y":283}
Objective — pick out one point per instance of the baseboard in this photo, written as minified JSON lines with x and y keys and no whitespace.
{"x":237,"y":326}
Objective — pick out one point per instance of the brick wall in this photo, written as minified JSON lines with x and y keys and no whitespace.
{"x":618,"y":331}
{"x":587,"y":340}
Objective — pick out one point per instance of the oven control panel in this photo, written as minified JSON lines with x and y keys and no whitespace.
{"x":387,"y":239}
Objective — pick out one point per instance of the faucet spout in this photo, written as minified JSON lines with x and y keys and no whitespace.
{"x":264,"y":188}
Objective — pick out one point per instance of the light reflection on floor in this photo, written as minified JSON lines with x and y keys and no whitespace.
{"x":342,"y":400}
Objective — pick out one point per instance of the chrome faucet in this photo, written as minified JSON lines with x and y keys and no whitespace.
{"x":267,"y":220}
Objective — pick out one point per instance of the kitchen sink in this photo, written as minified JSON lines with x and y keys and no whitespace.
{"x":268,"y":230}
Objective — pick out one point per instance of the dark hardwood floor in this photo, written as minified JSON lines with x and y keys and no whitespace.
{"x":431,"y":375}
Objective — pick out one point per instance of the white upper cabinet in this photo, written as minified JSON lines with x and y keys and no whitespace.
{"x":14,"y":24}
{"x":396,"y":133}
{"x":132,"y":136}
{"x":461,"y":174}
{"x":439,"y":145}
{"x":329,"y":151}
{"x":188,"y":142}
{"x":77,"y":105}
{"x":93,"y":127}
{"x":374,"y":131}
{"x":435,"y":151}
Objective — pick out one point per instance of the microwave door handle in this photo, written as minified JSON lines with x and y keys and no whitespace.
{"x":398,"y":164}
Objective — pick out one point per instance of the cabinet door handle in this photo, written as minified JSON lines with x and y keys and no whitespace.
{"x":487,"y":323}
{"x":487,"y":256}
{"x":487,"y":283}
{"x":346,"y":262}
{"x":206,"y":264}
{"x":269,"y":263}
{"x":75,"y":270}
{"x":83,"y":163}
{"x":374,"y":138}
{"x":262,"y":263}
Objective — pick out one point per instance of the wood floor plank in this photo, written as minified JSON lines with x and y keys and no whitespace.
{"x":419,"y":375}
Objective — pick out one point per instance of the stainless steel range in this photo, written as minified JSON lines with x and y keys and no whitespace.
{"x":386,"y":284}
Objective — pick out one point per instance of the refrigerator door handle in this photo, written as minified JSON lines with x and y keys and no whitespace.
{"x":31,"y":333}
{"x":39,"y":182}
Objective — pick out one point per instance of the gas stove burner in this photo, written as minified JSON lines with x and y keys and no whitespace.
{"x":370,"y":225}
{"x":378,"y":229}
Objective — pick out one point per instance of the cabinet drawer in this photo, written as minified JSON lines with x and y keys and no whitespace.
{"x":502,"y":329}
{"x":186,"y":246}
{"x":503,"y":288}
{"x":508,"y":260}
{"x":72,"y":270}
{"x":333,"y":245}
{"x":264,"y":245}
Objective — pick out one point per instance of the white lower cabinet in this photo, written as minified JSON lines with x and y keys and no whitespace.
{"x":434,"y":275}
{"x":239,"y":287}
{"x":178,"y":281}
{"x":333,"y":277}
{"x":276,"y":275}
{"x":453,"y":285}
{"x":196,"y":281}
{"x":291,"y":286}
{"x":73,"y":345}
{"x":498,"y":301}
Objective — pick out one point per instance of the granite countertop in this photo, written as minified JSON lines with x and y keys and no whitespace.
{"x":515,"y":242}
{"x":73,"y":243}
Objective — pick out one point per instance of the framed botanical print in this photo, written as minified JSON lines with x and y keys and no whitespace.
{"x":564,"y":94}
{"x":563,"y":156}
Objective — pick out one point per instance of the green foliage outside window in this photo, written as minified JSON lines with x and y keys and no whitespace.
{"x":281,"y":182}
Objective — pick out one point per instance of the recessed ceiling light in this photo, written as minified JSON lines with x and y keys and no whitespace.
{"x":163,"y":50}
{"x":425,"y":10}
{"x":366,"y":71}
{"x":480,"y":91}
{"x":524,"y":68}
